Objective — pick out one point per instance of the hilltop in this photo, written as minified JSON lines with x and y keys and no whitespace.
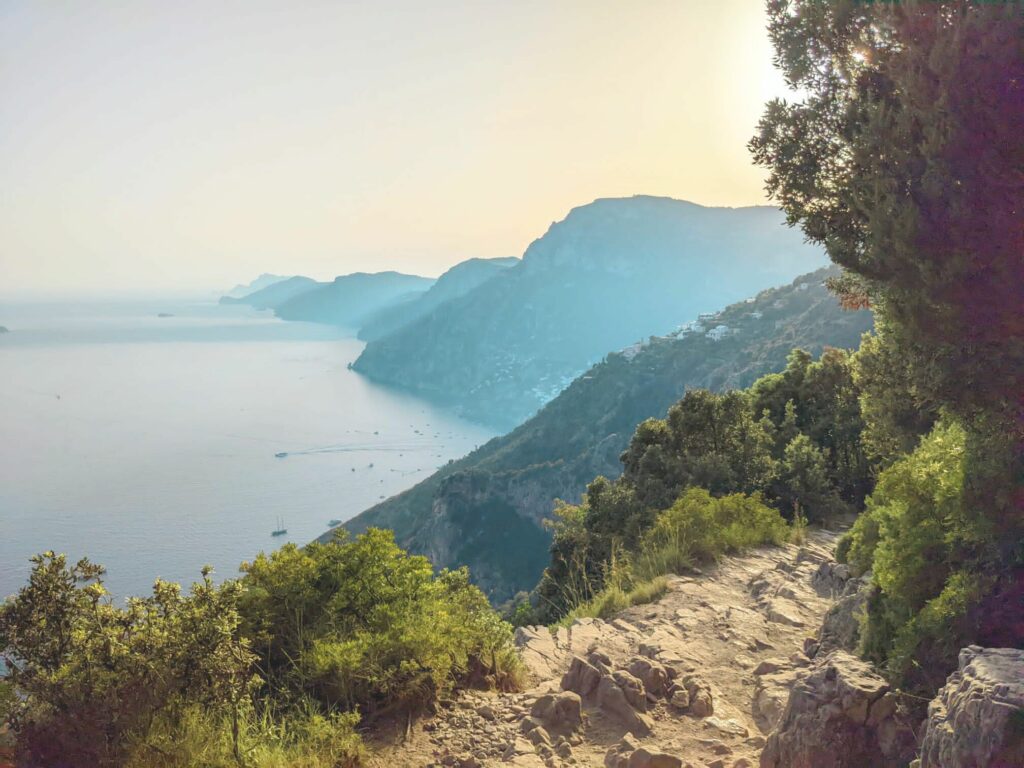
{"x":612,"y":272}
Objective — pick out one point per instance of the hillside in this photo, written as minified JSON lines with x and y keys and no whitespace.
{"x":485,"y":510}
{"x":457,"y":281}
{"x":351,"y":299}
{"x":610,"y":273}
{"x":274,"y":294}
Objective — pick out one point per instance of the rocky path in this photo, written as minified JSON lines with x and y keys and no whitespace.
{"x":698,"y":678}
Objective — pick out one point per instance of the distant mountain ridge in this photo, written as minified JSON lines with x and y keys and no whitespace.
{"x":612,"y":272}
{"x":350,"y":299}
{"x":485,"y":510}
{"x":457,"y":281}
{"x":275,"y":293}
{"x":263,"y":281}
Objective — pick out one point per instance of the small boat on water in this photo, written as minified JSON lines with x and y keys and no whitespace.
{"x":334,"y":523}
{"x":280,"y":530}
{"x":280,"y":455}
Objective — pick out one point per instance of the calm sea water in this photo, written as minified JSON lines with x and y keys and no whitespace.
{"x":148,"y":443}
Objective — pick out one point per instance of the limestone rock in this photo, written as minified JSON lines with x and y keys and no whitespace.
{"x":582,"y":677}
{"x":632,"y":688}
{"x":680,"y":698}
{"x":653,"y":675}
{"x":702,"y":702}
{"x":840,"y":628}
{"x":612,"y":699}
{"x":840,"y":714}
{"x":977,"y":717}
{"x":771,"y":692}
{"x":559,"y":711}
{"x":646,"y":758}
{"x":538,"y":650}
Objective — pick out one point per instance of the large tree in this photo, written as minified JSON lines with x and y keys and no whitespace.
{"x":904,"y":156}
{"x":902,"y":153}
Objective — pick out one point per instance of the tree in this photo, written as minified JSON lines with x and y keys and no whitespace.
{"x":803,"y":483}
{"x":903,"y":156}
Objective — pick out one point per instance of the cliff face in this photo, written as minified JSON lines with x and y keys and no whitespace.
{"x":611,"y":273}
{"x":486,"y":509}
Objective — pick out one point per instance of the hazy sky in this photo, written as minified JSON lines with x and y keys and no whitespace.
{"x":149,"y":145}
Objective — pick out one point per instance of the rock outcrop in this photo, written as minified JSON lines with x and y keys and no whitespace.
{"x":977,"y":719}
{"x":841,"y":714}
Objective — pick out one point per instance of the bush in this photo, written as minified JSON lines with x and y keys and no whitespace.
{"x":363,"y":625}
{"x":700,"y":527}
{"x":91,"y":677}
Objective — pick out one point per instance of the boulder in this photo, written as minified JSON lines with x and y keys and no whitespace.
{"x":612,"y":700}
{"x":653,"y":675}
{"x":619,"y":753}
{"x":771,"y":692}
{"x":538,"y":650}
{"x":582,"y":677}
{"x":646,"y":758}
{"x":840,"y":627}
{"x":831,"y":578}
{"x":559,"y":711}
{"x":977,"y":718}
{"x":840,"y":714}
{"x":628,"y":753}
{"x":702,"y":703}
{"x":632,"y":688}
{"x":680,"y":698}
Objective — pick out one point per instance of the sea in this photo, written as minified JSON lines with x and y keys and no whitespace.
{"x":158,"y":436}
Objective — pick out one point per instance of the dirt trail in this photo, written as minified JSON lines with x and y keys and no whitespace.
{"x":698,"y":677}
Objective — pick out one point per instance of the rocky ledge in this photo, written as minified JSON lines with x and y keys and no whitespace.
{"x":978,"y":717}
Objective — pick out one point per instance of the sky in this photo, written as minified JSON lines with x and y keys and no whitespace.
{"x":151,"y":146}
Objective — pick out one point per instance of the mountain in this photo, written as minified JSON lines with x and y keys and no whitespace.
{"x":610,"y":273}
{"x":351,"y":299}
{"x":276,"y":293}
{"x":263,"y":281}
{"x":486,"y":509}
{"x":457,"y":281}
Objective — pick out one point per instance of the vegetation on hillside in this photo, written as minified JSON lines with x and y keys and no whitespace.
{"x":716,"y":475}
{"x":274,"y":669}
{"x":486,"y":510}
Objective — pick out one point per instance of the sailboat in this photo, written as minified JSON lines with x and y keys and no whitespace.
{"x":280,"y":530}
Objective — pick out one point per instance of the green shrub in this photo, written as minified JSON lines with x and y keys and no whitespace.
{"x":700,"y":527}
{"x":614,"y":599}
{"x":362,"y":624}
{"x":91,"y":677}
{"x":304,"y":737}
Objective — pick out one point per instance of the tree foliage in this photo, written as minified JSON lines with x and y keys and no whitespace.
{"x":903,"y":156}
{"x":92,"y":677}
{"x":793,"y":437}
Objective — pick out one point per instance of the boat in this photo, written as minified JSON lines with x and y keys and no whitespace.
{"x":280,"y":530}
{"x":334,"y":523}
{"x":280,"y":455}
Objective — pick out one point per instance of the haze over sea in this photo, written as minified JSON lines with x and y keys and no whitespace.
{"x":148,"y":443}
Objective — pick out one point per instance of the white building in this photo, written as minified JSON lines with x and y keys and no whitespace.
{"x":719,"y":332}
